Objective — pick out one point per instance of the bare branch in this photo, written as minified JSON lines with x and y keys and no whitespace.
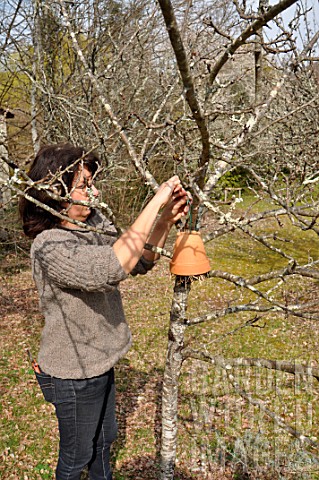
{"x":190,"y":94}
{"x":279,"y":365}
{"x":149,"y":179}
{"x":252,"y":29}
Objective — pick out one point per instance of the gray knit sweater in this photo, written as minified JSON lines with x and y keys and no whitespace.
{"x":77,"y":275}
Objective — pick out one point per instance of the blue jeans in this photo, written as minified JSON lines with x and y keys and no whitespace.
{"x":86,"y":414}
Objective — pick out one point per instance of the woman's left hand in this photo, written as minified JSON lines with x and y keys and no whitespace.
{"x":176,"y":208}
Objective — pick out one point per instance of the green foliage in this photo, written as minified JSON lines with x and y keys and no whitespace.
{"x":14,"y":90}
{"x":237,"y":178}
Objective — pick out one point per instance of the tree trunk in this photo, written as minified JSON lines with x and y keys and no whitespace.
{"x":171,"y":377}
{"x":36,"y":68}
{"x":5,"y":193}
{"x":263,"y":6}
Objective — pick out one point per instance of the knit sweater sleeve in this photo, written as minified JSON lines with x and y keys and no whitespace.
{"x":71,"y":265}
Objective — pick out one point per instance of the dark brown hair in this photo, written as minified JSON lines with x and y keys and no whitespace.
{"x":49,"y":161}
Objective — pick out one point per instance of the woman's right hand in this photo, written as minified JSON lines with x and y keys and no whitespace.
{"x":167,"y":189}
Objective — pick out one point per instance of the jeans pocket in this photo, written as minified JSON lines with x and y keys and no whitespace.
{"x":47,"y":386}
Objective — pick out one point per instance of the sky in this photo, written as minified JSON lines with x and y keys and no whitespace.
{"x":313,"y":17}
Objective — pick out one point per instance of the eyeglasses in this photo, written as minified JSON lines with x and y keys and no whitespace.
{"x":84,"y":186}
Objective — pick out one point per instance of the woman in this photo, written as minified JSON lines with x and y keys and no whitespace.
{"x":77,"y":272}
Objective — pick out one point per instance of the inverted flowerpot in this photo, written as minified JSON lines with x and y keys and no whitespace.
{"x":189,"y":256}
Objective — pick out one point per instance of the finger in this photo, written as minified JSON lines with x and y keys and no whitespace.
{"x":180,"y":191}
{"x":173,"y":185}
{"x":180,"y":207}
{"x":174,"y":180}
{"x":178,"y":194}
{"x":179,"y":188}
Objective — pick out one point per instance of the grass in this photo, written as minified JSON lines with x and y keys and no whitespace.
{"x":220,"y":435}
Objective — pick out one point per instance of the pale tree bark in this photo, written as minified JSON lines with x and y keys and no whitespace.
{"x":5,"y":191}
{"x":37,"y":64}
{"x":171,"y":376}
{"x":188,"y":83}
{"x":263,"y":6}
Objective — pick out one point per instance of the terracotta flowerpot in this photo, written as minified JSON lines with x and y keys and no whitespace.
{"x":189,"y":256}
